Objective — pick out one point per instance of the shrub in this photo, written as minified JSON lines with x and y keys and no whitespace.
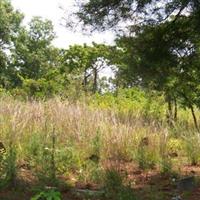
{"x":192,"y":147}
{"x":115,"y":188}
{"x":166,"y":165}
{"x":146,"y":154}
{"x":47,"y":195}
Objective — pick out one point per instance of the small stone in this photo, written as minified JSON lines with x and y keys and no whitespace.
{"x":173,"y":180}
{"x":176,"y":198}
{"x":187,"y":183}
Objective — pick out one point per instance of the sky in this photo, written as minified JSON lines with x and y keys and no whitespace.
{"x":50,"y":9}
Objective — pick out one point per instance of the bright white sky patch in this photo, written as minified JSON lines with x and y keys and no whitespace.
{"x":50,"y":9}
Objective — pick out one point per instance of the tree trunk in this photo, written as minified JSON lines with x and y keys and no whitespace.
{"x":190,"y":105}
{"x":175,"y":110}
{"x":85,"y":81}
{"x":194,"y":117}
{"x":117,"y":86}
{"x":170,"y":111}
{"x":95,"y":80}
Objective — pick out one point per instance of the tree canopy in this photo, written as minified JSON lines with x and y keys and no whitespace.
{"x":103,"y":14}
{"x":159,"y":43}
{"x":157,"y":48}
{"x":9,"y":25}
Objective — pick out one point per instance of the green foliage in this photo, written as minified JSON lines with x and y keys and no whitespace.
{"x":166,"y":165}
{"x":68,"y":159}
{"x":8,"y":167}
{"x":192,"y":144}
{"x":10,"y":21}
{"x":115,"y":188}
{"x":87,"y":62}
{"x":90,"y":169}
{"x":132,"y":102}
{"x":33,"y":53}
{"x":41,"y":154}
{"x":90,"y":172}
{"x":41,"y":88}
{"x":9,"y":26}
{"x":115,"y":12}
{"x":2,"y":167}
{"x":146,"y":158}
{"x":47,"y":195}
{"x":160,"y":50}
{"x":175,"y":145}
{"x":11,"y":169}
{"x":96,"y":146}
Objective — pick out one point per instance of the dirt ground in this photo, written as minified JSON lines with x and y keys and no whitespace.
{"x":147,"y":185}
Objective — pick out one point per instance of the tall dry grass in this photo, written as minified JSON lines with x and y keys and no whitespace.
{"x":82,"y":131}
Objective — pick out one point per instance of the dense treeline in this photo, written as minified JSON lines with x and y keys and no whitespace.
{"x":32,"y":66}
{"x":158,"y":50}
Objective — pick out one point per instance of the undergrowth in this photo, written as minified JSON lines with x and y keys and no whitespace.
{"x":55,"y":139}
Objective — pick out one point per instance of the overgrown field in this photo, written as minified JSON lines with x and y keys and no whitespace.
{"x":94,"y":142}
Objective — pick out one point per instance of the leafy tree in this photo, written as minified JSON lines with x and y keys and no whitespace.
{"x":9,"y":25}
{"x":160,"y":44}
{"x":87,"y":62}
{"x":33,"y":54}
{"x":103,"y":14}
{"x":157,"y":59}
{"x":36,"y":63}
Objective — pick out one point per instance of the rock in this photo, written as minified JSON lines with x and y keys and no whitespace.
{"x":176,"y":198}
{"x":88,"y":193}
{"x":187,"y":183}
